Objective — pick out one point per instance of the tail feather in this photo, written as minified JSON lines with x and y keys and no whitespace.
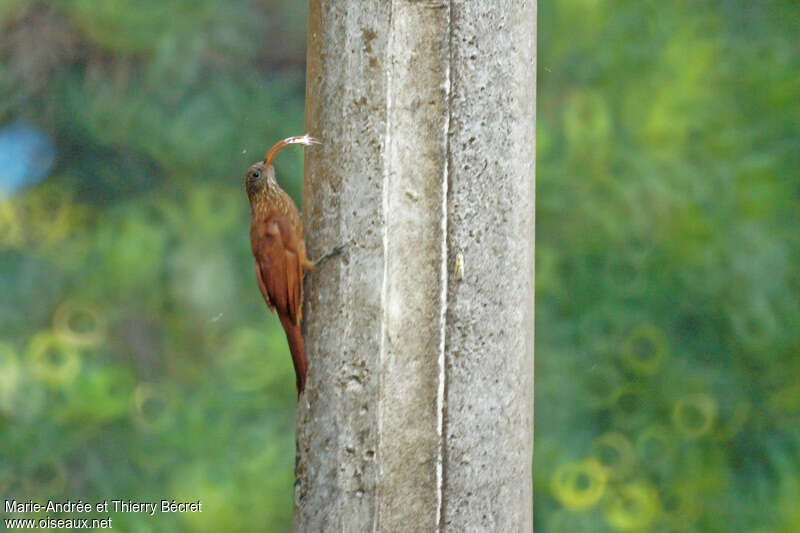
{"x":297,"y":347}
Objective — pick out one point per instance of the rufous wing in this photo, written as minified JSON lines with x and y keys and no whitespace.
{"x":278,"y":265}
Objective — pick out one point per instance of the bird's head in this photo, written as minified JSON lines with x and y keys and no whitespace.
{"x":262,"y":173}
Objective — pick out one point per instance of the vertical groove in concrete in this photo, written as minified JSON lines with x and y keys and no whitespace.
{"x":419,"y":399}
{"x":446,"y":263}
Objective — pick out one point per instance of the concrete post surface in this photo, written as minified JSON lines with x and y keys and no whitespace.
{"x":418,"y":412}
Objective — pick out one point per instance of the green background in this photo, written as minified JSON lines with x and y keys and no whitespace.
{"x":137,"y":358}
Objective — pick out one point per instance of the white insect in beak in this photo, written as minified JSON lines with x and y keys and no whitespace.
{"x":306,"y":139}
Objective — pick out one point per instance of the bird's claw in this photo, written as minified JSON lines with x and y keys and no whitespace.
{"x":339,"y":250}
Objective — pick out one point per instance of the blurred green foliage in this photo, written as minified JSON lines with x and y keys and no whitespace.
{"x":668,"y":266}
{"x":136,"y":355}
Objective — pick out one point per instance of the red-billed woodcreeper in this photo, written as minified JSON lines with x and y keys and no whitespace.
{"x":276,"y":235}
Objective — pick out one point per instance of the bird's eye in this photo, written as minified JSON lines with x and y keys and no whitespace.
{"x":256,"y":174}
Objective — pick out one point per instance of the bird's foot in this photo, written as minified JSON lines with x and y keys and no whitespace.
{"x":339,"y":250}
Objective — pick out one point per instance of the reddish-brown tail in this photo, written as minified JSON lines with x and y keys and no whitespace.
{"x":298,"y":349}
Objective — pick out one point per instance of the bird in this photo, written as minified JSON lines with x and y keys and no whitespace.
{"x":279,"y":250}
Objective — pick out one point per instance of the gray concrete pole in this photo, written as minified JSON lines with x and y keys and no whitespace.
{"x":418,"y":412}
